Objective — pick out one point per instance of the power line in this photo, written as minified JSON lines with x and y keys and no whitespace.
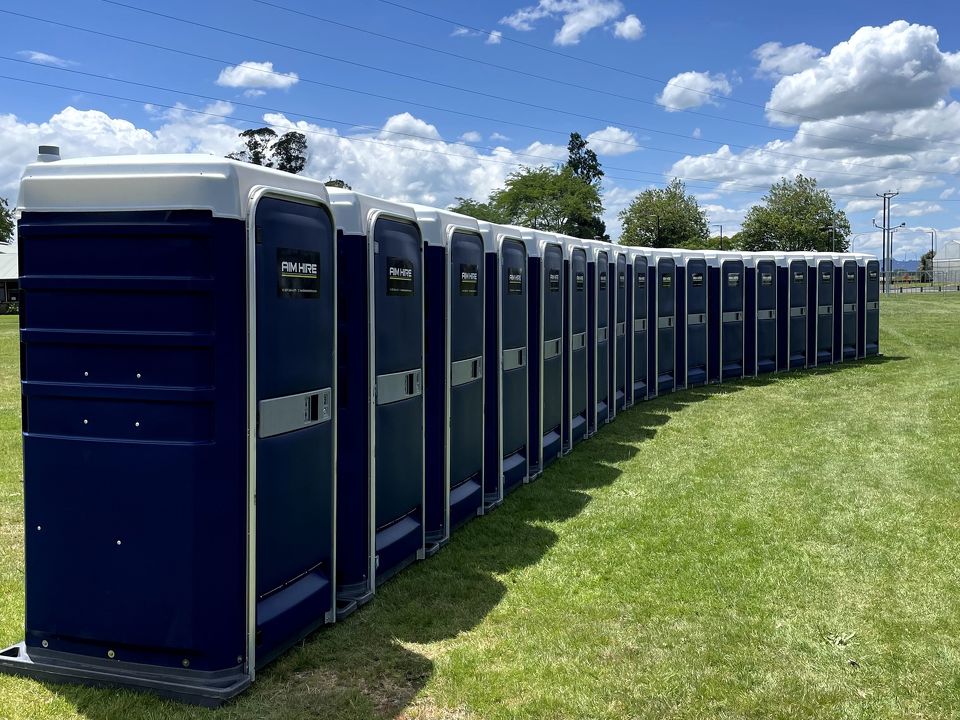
{"x":479,"y":93}
{"x":255,"y":106}
{"x":564,"y":83}
{"x":659,"y":81}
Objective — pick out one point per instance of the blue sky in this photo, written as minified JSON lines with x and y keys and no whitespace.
{"x":712,"y":92}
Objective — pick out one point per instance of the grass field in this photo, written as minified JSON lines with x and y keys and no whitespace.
{"x":780,"y":548}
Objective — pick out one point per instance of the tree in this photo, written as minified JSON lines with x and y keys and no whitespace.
{"x":551,"y":199}
{"x":479,"y":210}
{"x":664,"y":217}
{"x":337,"y":183}
{"x":796,"y":215}
{"x":263,"y":147}
{"x":6,"y":223}
{"x":926,"y":266}
{"x":583,"y":163}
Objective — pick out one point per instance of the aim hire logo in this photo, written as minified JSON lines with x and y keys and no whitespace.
{"x":305,"y":269}
{"x":404,"y":273}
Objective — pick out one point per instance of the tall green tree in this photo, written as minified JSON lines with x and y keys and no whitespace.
{"x":262,"y":146}
{"x":338,"y":183}
{"x":926,"y":266}
{"x":585,"y":166}
{"x":545,"y":198}
{"x":6,"y":223}
{"x":479,"y":210}
{"x":796,"y":215}
{"x":664,"y":217}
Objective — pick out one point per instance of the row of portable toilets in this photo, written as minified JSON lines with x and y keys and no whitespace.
{"x":249,"y":400}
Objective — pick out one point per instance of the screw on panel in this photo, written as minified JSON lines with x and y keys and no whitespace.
{"x":139,"y":376}
{"x":45,"y":643}
{"x":185,"y":662}
{"x":239,"y":659}
{"x":85,"y":421}
{"x":39,"y":528}
{"x":118,"y":542}
{"x":137,"y":424}
{"x":86,"y":374}
{"x":111,"y":654}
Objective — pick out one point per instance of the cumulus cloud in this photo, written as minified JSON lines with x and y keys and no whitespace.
{"x":879,"y":69}
{"x":612,"y":141}
{"x":630,"y":28}
{"x":578,"y":18}
{"x":693,"y":89}
{"x":949,"y":192}
{"x":494,"y":38}
{"x":45,"y":58}
{"x":250,"y":74}
{"x":471,"y":136}
{"x":498,"y":137}
{"x":776,"y":60}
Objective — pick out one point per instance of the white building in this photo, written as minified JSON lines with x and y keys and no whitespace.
{"x":946,"y":263}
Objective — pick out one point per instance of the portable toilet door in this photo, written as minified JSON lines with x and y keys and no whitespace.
{"x":167,"y":383}
{"x":792,"y":290}
{"x":381,"y":446}
{"x":641,"y":334}
{"x":820,"y":308}
{"x":550,"y":342}
{"x":578,"y":322}
{"x":871,"y":306}
{"x":453,"y":371}
{"x":506,"y":411}
{"x":727,"y":315}
{"x":695,"y":315}
{"x":762,"y":309}
{"x":598,"y":296}
{"x":847,"y":293}
{"x":619,"y":270}
{"x":680,"y":321}
{"x":662,"y":299}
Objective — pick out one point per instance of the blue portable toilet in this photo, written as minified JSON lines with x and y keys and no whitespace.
{"x":179,"y":426}
{"x":380,"y":481}
{"x":792,"y":279}
{"x":578,"y":321}
{"x":619,"y":296}
{"x":845,"y":294}
{"x":692,"y":318}
{"x":598,"y":334}
{"x":506,"y":453}
{"x":640,"y":325}
{"x":820,"y":308}
{"x":662,"y":305}
{"x":726,"y":315}
{"x":547,"y":361}
{"x":454,"y":256}
{"x":869,"y":309}
{"x":760,"y":323}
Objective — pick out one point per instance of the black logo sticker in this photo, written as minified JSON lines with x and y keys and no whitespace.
{"x":553,"y":279}
{"x":799,"y":276}
{"x":514,"y":281}
{"x":400,"y":278}
{"x":666,"y":281}
{"x":580,"y":281}
{"x":603,"y":280}
{"x":469,"y":279}
{"x":696,"y":279}
{"x":298,"y":274}
{"x":766,"y":279}
{"x":873,"y":274}
{"x":733,"y":279}
{"x":642,"y":278}
{"x":622,"y":280}
{"x":826,"y":276}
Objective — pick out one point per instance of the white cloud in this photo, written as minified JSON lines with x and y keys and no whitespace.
{"x":630,"y":28}
{"x":254,"y":93}
{"x":693,"y":89}
{"x":494,"y":38}
{"x":879,"y":69}
{"x":612,"y":141}
{"x":498,"y":137}
{"x":947,"y":193}
{"x":460,"y":32}
{"x":777,"y":60}
{"x":696,"y":133}
{"x":45,"y":58}
{"x":471,"y":136}
{"x":250,"y":74}
{"x":578,"y":18}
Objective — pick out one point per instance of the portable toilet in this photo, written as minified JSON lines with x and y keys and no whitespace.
{"x":179,"y":432}
{"x":760,"y":322}
{"x":792,"y":279}
{"x":507,"y":354}
{"x":845,"y":298}
{"x":618,"y":270}
{"x":381,"y":443}
{"x":546,"y":298}
{"x":662,"y":305}
{"x":641,"y":321}
{"x":578,"y":320}
{"x":870,"y":304}
{"x":692,"y":314}
{"x":453,"y":270}
{"x":726,"y":315}
{"x":598,"y":333}
{"x":820,"y":302}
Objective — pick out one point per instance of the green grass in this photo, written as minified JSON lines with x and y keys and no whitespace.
{"x":781,"y":548}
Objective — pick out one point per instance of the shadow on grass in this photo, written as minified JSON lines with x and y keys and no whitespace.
{"x":370,"y":666}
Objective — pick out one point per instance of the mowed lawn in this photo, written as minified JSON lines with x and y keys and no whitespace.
{"x":781,"y":548}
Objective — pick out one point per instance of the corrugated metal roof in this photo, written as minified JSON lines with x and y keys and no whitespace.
{"x":8,"y":263}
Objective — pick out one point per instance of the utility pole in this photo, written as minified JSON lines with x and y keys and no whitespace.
{"x":721,"y":234}
{"x":887,"y":239}
{"x":832,"y":227}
